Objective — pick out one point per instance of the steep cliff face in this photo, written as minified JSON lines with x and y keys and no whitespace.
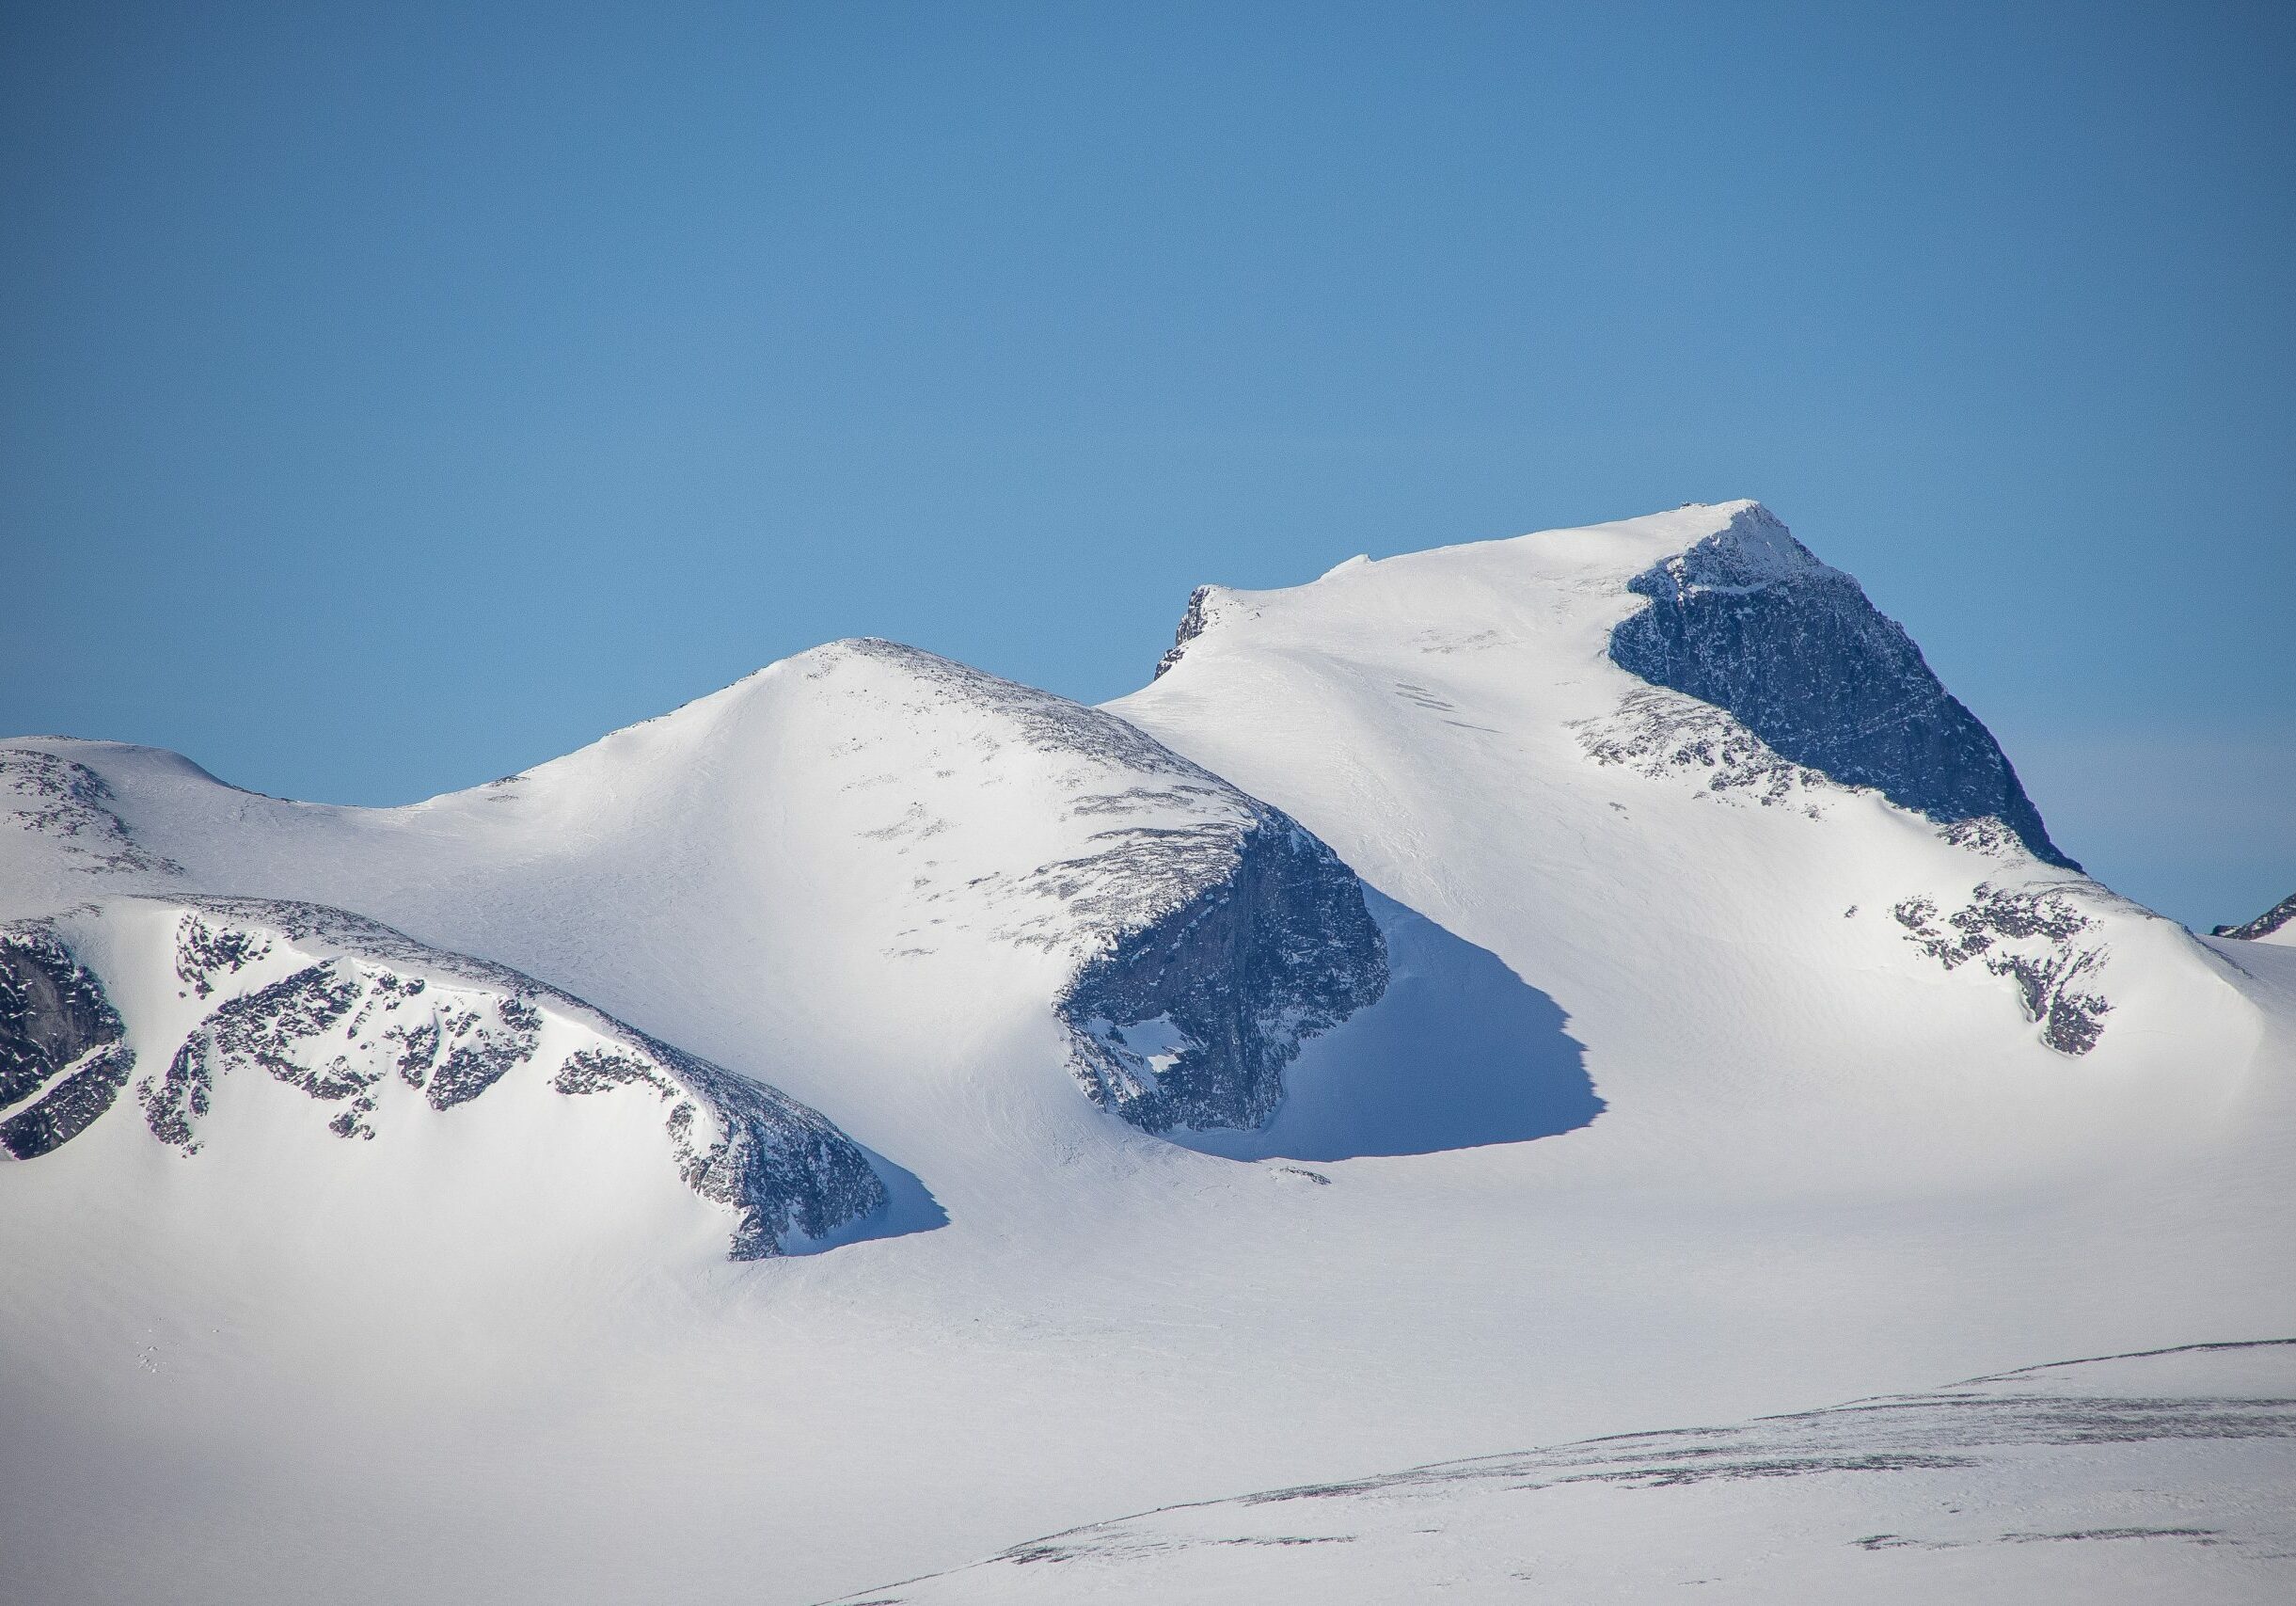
{"x":1192,"y":625}
{"x":61,"y":1059}
{"x":1776,"y":683}
{"x":379,"y":1032}
{"x":1750,"y":621}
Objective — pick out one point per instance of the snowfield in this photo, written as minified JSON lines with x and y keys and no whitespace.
{"x":1400,"y":1033}
{"x":2152,"y":1477}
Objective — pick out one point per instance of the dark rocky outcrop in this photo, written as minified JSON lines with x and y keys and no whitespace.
{"x":52,"y":1012}
{"x":1750,"y":621}
{"x":2264,"y":925}
{"x":1190,"y":626}
{"x":1277,"y":949}
{"x":2033,"y":938}
{"x":789,"y":1173}
{"x":58,"y":1032}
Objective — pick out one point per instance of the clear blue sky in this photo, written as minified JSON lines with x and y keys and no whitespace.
{"x":396,"y":395}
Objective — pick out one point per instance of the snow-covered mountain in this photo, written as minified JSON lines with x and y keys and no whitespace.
{"x":1706,"y":652}
{"x":866,"y":801}
{"x":1747,"y":620}
{"x":1490,"y":997}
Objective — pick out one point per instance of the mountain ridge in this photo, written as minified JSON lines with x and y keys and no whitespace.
{"x":1689,"y":1084}
{"x":2276,"y":919}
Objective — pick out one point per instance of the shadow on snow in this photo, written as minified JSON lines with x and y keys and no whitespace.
{"x":1459,"y":1052}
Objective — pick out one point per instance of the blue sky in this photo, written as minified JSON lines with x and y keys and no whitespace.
{"x":398,"y":396}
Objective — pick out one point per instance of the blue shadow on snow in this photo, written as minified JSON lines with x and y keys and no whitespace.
{"x":1459,"y":1052}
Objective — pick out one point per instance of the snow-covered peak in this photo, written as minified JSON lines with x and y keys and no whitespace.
{"x":1458,"y":588}
{"x":880,"y":691}
{"x":1596,"y":679}
{"x":952,"y":808}
{"x":1717,"y":602}
{"x":1754,"y":550}
{"x":945,"y":801}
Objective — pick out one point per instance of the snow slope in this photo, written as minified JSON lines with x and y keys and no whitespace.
{"x":2145,"y":1477}
{"x":1648,"y":1075}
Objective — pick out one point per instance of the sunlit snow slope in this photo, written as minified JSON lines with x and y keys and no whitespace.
{"x":1650,"y":1072}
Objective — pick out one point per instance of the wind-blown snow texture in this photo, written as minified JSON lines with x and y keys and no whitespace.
{"x":68,"y":803}
{"x":1398,"y":1002}
{"x":1748,"y":621}
{"x":2139,"y":1477}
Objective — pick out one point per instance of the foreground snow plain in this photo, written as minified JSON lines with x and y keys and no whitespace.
{"x":1678,"y":1122}
{"x":2150,"y":1477}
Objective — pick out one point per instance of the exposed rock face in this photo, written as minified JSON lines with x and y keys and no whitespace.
{"x":1774,"y":682}
{"x":2264,"y":925}
{"x":2033,"y":938}
{"x":1190,"y":1019}
{"x":61,"y":1059}
{"x":341,"y":1009}
{"x":1750,"y":621}
{"x":1190,"y":626}
{"x":1662,"y":733}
